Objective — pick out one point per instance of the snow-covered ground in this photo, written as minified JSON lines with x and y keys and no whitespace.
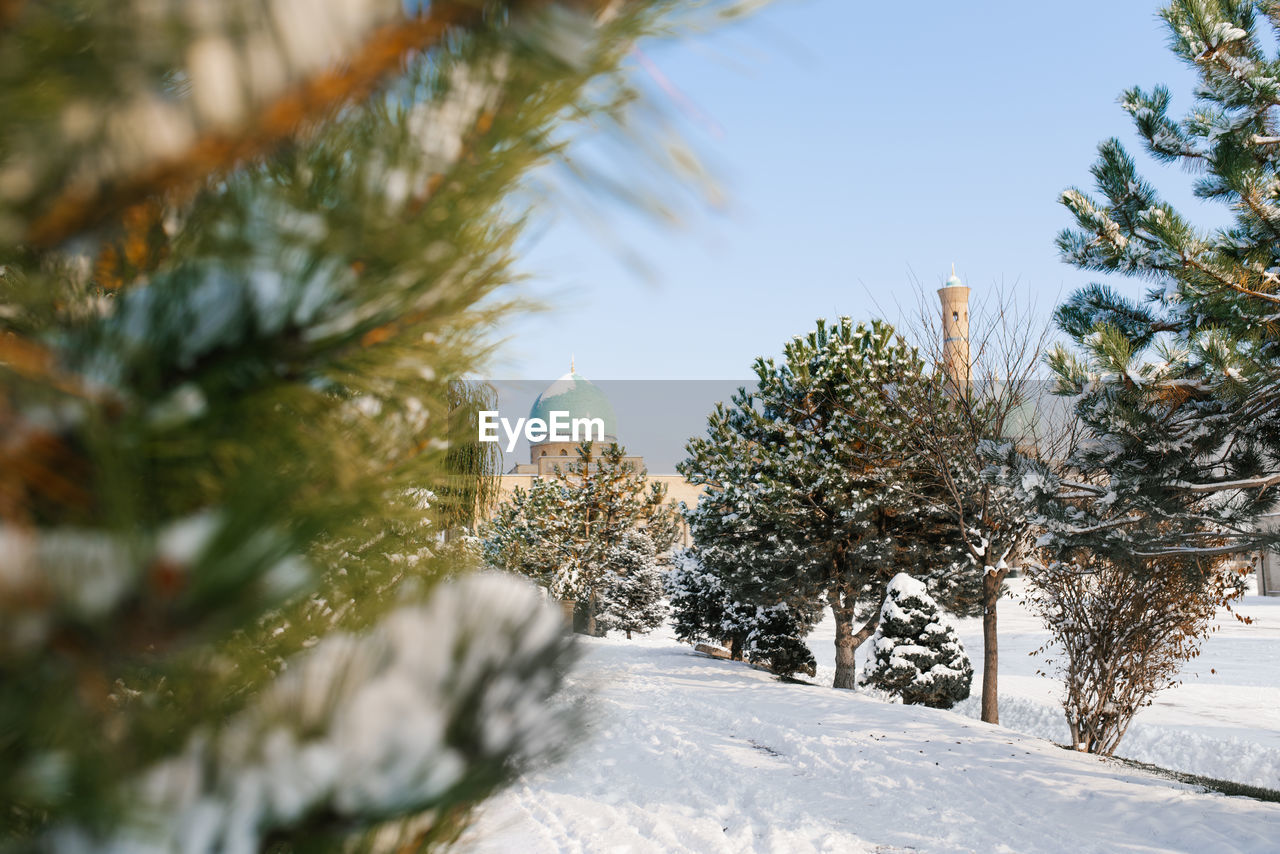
{"x":1223,"y":721}
{"x":685,"y":753}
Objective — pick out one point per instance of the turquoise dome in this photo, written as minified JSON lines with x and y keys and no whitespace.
{"x":576,"y":395}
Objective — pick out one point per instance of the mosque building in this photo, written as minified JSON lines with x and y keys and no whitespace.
{"x":581,"y":399}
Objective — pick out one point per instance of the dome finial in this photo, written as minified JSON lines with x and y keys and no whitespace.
{"x":572,"y":370}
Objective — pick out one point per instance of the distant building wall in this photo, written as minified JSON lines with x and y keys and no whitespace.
{"x":1268,"y":563}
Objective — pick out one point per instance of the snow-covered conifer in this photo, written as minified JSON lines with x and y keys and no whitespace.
{"x":560,"y":531}
{"x":706,"y":607}
{"x":702,"y":608}
{"x":805,"y":478}
{"x":775,"y":640}
{"x":631,"y":596}
{"x":917,"y":655}
{"x":248,"y":253}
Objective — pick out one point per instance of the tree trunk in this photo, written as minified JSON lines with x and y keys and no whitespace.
{"x":846,"y":667}
{"x":628,"y":634}
{"x":991,"y":582}
{"x":848,"y":641}
{"x":591,"y":629}
{"x":735,"y":647}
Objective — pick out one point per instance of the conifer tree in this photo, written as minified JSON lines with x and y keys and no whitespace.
{"x":246,"y":250}
{"x":561,"y":530}
{"x":704,"y":607}
{"x":1177,"y":390}
{"x":631,"y":598}
{"x":915,"y":652}
{"x":775,"y":639}
{"x":804,"y":500}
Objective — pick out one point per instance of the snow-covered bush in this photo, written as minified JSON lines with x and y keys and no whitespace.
{"x":705,"y":608}
{"x":775,"y":639}
{"x":631,"y":598}
{"x":917,"y":655}
{"x":701,"y":607}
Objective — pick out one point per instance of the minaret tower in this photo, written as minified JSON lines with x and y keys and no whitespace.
{"x":955,"y":329}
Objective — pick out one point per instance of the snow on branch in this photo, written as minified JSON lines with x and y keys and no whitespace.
{"x":1225,"y":485}
{"x":84,"y":204}
{"x":1103,"y":526}
{"x":437,"y":698}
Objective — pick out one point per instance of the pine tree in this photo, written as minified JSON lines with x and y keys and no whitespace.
{"x":916,"y":653}
{"x":1178,"y":391}
{"x":704,"y":607}
{"x":631,"y":598}
{"x":775,"y":639}
{"x":246,"y":252}
{"x":561,"y":530}
{"x":804,"y":502}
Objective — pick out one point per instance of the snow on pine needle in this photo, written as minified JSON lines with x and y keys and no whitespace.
{"x":435,"y":699}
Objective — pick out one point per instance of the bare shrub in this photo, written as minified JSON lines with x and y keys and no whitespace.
{"x":1120,"y":634}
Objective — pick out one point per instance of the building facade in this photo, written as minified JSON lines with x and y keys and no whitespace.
{"x":583,"y":401}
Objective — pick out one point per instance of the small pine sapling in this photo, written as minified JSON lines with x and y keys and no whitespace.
{"x":702,"y":606}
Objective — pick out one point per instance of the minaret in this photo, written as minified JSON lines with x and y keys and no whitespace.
{"x":955,"y":329}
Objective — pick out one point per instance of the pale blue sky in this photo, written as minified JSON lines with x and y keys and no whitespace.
{"x":861,"y":143}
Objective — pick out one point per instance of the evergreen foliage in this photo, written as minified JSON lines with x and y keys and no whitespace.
{"x":561,"y":530}
{"x":775,"y":639}
{"x":247,"y":252}
{"x":631,"y":598}
{"x":704,"y":608}
{"x":915,"y":651}
{"x":1176,"y":392}
{"x":1179,"y":390}
{"x":805,"y":502}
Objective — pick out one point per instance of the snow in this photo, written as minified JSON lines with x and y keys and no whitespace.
{"x":365,"y":724}
{"x":1223,"y":721}
{"x":684,"y":753}
{"x":903,"y":585}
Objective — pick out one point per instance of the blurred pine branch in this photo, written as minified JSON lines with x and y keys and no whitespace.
{"x":250,"y":254}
